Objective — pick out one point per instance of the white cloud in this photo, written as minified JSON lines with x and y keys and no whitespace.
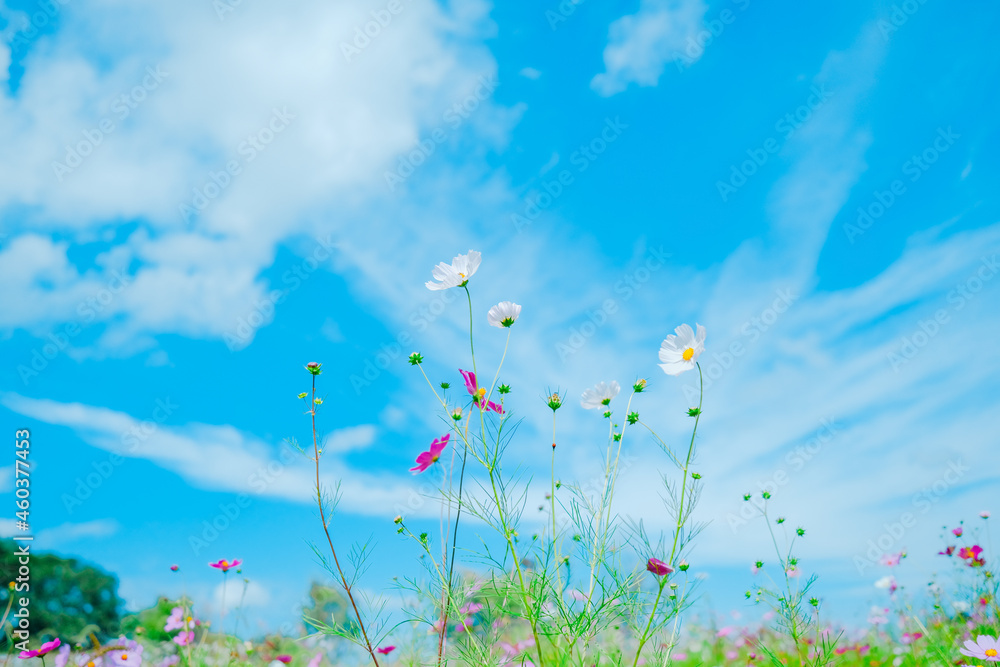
{"x":213,"y":84}
{"x":641,"y":44}
{"x":350,"y":439}
{"x":59,"y":536}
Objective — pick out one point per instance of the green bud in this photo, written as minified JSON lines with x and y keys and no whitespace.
{"x":694,"y":412}
{"x":633,"y":417}
{"x":416,"y":359}
{"x":314,"y":368}
{"x":503,"y":389}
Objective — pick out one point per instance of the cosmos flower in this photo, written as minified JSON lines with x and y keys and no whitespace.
{"x":225,"y":565}
{"x":600,"y":396}
{"x":984,"y":515}
{"x":175,"y":621}
{"x":892,"y":559}
{"x":385,"y":650}
{"x":47,"y":647}
{"x":479,"y":393}
{"x":63,"y":656}
{"x":887,"y":582}
{"x":503,"y":315}
{"x":316,"y":659}
{"x":184,"y":638}
{"x":130,"y":657}
{"x":426,"y":459}
{"x":680,"y":350}
{"x":984,"y":648}
{"x":470,"y":608}
{"x":957,"y":532}
{"x":947,"y":552}
{"x":909,"y":638}
{"x":283,"y":658}
{"x":970,"y":552}
{"x":658,"y":567}
{"x":174,"y":568}
{"x":456,"y":274}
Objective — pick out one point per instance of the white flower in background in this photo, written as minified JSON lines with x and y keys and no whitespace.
{"x":457,"y":273}
{"x":503,"y":314}
{"x":600,"y":396}
{"x":680,"y":350}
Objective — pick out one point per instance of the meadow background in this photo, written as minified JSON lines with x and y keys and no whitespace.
{"x":199,"y":197}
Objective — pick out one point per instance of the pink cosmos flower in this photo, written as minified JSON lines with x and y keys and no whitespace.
{"x":174,"y":568}
{"x":984,"y":648}
{"x":972,"y":555}
{"x":42,"y":650}
{"x":478,"y":393}
{"x":225,"y":565}
{"x":732,"y":655}
{"x":385,"y":650}
{"x":425,"y":459}
{"x":184,"y":638}
{"x":681,"y":656}
{"x":130,"y":657}
{"x":658,"y":567}
{"x":947,"y":552}
{"x":470,"y":609}
{"x":984,"y":515}
{"x":725,"y":632}
{"x":283,"y":658}
{"x":316,"y":659}
{"x":957,"y":532}
{"x":892,"y":560}
{"x":175,"y":621}
{"x":910,"y":638}
{"x":63,"y":656}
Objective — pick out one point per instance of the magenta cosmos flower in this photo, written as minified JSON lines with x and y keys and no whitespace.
{"x":385,"y":650}
{"x":425,"y":459}
{"x":283,"y":658}
{"x":957,"y":532}
{"x":225,"y":565}
{"x":985,"y":648}
{"x":479,"y":394}
{"x":658,"y":567}
{"x":47,"y":647}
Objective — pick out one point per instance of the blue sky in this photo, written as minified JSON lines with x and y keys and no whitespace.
{"x":171,"y":171}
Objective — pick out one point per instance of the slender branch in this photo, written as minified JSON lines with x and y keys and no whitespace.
{"x":326,"y":530}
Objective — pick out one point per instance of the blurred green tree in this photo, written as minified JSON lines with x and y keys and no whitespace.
{"x":69,"y":599}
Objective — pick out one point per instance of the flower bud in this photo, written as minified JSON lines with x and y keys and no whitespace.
{"x":314,"y":368}
{"x":639,"y":386}
{"x":416,"y":359}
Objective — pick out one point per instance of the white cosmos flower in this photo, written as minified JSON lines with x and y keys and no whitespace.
{"x":600,"y":396}
{"x":503,"y":314}
{"x":680,"y":350}
{"x":455,"y":274}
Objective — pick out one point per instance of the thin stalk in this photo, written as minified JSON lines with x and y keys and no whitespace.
{"x":326,"y":530}
{"x":680,"y":513}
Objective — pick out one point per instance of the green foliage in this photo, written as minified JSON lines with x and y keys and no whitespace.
{"x":69,"y":599}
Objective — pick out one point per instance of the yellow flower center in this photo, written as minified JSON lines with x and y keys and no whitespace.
{"x":124,"y":656}
{"x":991,"y":652}
{"x":90,"y":664}
{"x":188,"y":619}
{"x":688,"y":353}
{"x":480,"y":393}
